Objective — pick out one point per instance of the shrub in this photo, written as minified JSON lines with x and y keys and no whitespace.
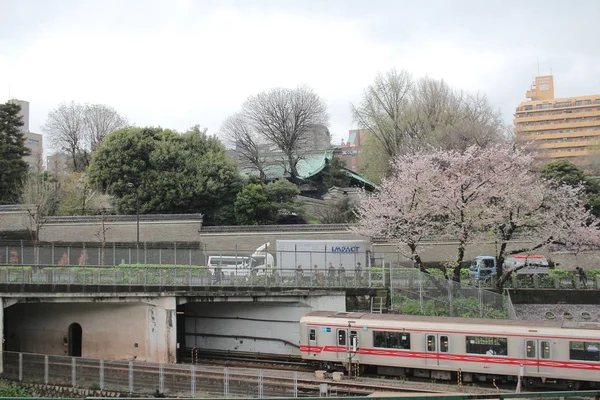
{"x":11,"y":389}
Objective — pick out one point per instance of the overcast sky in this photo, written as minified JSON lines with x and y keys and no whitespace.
{"x":179,"y":63}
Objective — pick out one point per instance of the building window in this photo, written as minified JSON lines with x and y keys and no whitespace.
{"x":597,"y":101}
{"x":547,"y":105}
{"x":579,"y":103}
{"x":588,"y":102}
{"x":563,"y":104}
{"x":32,"y":144}
{"x":391,"y":340}
{"x":487,"y":345}
{"x":584,"y":351}
{"x":527,"y":108}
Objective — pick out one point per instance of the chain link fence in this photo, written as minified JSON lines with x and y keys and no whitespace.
{"x":188,"y":276}
{"x":194,"y":381}
{"x":420,"y":293}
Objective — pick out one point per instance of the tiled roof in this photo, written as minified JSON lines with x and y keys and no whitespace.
{"x":310,"y":165}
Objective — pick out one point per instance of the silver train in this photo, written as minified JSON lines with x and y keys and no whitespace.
{"x":544,"y":354}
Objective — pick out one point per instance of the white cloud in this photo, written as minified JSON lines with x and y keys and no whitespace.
{"x":180,"y":63}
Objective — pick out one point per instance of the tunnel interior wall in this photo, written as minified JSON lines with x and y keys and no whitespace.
{"x":267,"y":328}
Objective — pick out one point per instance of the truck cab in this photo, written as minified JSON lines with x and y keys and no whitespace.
{"x":482,"y":268}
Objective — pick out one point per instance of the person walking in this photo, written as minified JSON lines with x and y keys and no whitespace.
{"x":331,"y":274}
{"x":358,"y":274}
{"x":582,"y":276}
{"x":342,"y":275}
{"x":299,"y":275}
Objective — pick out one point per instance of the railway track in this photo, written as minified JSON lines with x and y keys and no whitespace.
{"x":249,"y":360}
{"x":366,"y":384}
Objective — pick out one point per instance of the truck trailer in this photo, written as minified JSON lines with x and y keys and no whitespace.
{"x":308,"y":253}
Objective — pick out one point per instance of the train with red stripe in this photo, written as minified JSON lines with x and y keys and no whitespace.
{"x":542,"y":353}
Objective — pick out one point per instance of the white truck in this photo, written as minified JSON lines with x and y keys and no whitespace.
{"x":308,"y":253}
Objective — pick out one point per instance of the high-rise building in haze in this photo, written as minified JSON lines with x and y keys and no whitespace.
{"x":33,"y":141}
{"x":565,"y":128}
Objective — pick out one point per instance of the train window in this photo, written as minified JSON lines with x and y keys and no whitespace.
{"x":530,"y":347}
{"x":313,"y":335}
{"x":341,"y":337}
{"x":488,"y":345}
{"x":391,"y":340}
{"x":444,"y":344}
{"x":545,"y":349}
{"x":430,"y":343}
{"x":584,"y":351}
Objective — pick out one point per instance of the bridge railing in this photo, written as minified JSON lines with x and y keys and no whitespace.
{"x":140,"y":275}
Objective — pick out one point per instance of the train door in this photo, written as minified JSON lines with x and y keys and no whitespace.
{"x":536,"y":352}
{"x":312,"y":341}
{"x":341,"y":344}
{"x":436,"y":346}
{"x":353,"y":345}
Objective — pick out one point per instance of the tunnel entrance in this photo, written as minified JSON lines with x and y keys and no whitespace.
{"x":75,"y":340}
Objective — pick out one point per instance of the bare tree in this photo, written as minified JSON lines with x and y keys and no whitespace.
{"x":405,"y":117}
{"x":39,"y":194}
{"x":77,"y":129}
{"x":100,"y":120}
{"x":437,"y":105}
{"x":386,"y":111}
{"x":65,"y":127}
{"x":475,"y":123}
{"x":101,"y":233}
{"x":238,"y":132}
{"x":284,"y":117}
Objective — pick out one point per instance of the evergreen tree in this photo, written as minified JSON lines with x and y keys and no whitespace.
{"x":335,"y":174}
{"x":13,"y":169}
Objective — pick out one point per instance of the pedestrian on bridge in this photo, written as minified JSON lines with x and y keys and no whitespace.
{"x":299,"y":275}
{"x":342,"y":275}
{"x":331,"y":274}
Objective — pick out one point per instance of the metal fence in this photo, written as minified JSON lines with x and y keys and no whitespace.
{"x":84,"y":254}
{"x":416,"y":292}
{"x":419,"y":293}
{"x":188,"y":276}
{"x":173,"y":380}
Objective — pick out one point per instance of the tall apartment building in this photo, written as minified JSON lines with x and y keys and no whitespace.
{"x":564,"y":128}
{"x":34,"y":141}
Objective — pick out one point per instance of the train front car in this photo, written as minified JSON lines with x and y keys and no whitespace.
{"x":542,"y":353}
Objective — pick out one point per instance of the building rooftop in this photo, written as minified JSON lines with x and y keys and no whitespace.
{"x":310,"y":165}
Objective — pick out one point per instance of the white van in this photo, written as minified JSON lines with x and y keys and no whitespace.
{"x":229,"y":265}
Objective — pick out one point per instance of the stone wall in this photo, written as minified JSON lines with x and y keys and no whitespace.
{"x":242,"y":240}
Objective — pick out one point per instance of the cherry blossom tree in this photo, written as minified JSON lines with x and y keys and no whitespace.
{"x":474,"y":196}
{"x":546,"y":214}
{"x":401,"y":210}
{"x":467,"y":186}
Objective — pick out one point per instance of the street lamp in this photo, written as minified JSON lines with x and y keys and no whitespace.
{"x":137,"y":213}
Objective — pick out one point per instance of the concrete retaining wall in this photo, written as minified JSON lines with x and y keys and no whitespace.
{"x":145,"y":330}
